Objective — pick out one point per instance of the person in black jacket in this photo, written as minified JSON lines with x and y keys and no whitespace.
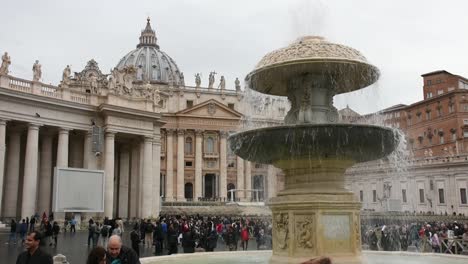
{"x":33,"y":254}
{"x":119,"y":252}
{"x":55,"y":232}
{"x":135,"y":238}
{"x":188,"y":241}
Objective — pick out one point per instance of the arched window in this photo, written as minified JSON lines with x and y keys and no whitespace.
{"x":210,"y":145}
{"x":188,"y":145}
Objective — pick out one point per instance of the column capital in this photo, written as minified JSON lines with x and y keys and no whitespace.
{"x":34,"y":126}
{"x":199,"y":132}
{"x":223,"y":134}
{"x":110,"y":133}
{"x":170,"y":131}
{"x":64,"y":130}
{"x":180,"y":131}
{"x":3,"y":121}
{"x":148,"y":139}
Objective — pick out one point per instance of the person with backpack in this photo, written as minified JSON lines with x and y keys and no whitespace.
{"x":148,"y":234}
{"x":105,"y":234}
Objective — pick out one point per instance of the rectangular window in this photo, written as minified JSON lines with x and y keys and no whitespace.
{"x":463,"y":195}
{"x":441,"y":196}
{"x":429,"y":95}
{"x":188,"y":164}
{"x":441,"y":140}
{"x":429,"y":82}
{"x":465,"y":133}
{"x":231,"y":165}
{"x":231,"y":106}
{"x":421,"y":196}
{"x":451,"y":108}
{"x":374,"y":196}
{"x":189,"y":103}
{"x":454,"y":136}
{"x":428,"y":115}
{"x":439,"y":112}
{"x":439,"y":81}
{"x":361,"y":195}
{"x":403,"y":195}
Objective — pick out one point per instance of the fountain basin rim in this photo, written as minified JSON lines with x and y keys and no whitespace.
{"x":314,"y":65}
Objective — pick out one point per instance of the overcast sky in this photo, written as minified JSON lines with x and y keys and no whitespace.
{"x":403,"y":38}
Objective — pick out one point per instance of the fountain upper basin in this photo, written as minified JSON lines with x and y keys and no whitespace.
{"x":354,"y":142}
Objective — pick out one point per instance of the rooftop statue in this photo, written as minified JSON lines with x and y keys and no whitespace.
{"x":5,"y":63}
{"x":222,"y":83}
{"x":237,"y":84}
{"x":37,"y":71}
{"x":197,"y":80}
{"x":66,"y":75}
{"x":182,"y":79}
{"x":211,"y":79}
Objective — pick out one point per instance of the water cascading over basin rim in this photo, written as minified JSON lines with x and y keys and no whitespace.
{"x":348,"y":69}
{"x":355,"y":142}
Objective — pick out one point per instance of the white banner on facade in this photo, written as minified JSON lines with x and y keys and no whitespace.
{"x":78,"y":190}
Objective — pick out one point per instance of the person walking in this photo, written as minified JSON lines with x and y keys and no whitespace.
{"x":12,"y":236}
{"x":23,"y":229}
{"x":55,"y":232}
{"x":105,"y":234}
{"x":73,"y":225}
{"x":32,"y":224}
{"x":33,"y":253}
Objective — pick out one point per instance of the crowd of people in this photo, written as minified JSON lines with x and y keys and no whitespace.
{"x":438,"y":237}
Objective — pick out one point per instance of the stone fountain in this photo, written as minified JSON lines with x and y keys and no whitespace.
{"x":314,"y":215}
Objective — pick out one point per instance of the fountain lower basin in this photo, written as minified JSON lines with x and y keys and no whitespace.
{"x":263,"y":257}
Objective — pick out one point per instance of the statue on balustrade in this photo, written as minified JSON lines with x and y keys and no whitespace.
{"x":222,"y":83}
{"x":237,"y":84}
{"x":93,"y":83}
{"x":197,"y":80}
{"x":182,"y":79}
{"x":37,"y":71}
{"x":211,"y":79}
{"x":66,"y":75}
{"x":5,"y":64}
{"x":128,"y":78}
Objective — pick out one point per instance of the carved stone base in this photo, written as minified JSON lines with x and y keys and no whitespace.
{"x":311,"y":225}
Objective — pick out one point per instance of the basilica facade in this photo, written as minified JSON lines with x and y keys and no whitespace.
{"x":155,"y":138}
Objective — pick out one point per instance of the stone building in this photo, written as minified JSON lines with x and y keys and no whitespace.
{"x":151,"y":134}
{"x":434,"y":177}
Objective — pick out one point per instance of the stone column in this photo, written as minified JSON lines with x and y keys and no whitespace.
{"x":170,"y":165}
{"x":248,"y":179}
{"x":180,"y":164}
{"x":140,"y":182}
{"x":240,"y":178}
{"x":28,"y":207}
{"x":134,"y":179}
{"x":198,"y":163}
{"x":124,"y":174}
{"x":2,"y":158}
{"x":271,"y":181}
{"x":223,"y":165}
{"x":147,"y":202}
{"x":109,"y":173}
{"x":90,"y":160}
{"x":62,"y":148}
{"x":156,"y":172}
{"x":76,"y":156}
{"x":45,"y":176}
{"x":10,"y":200}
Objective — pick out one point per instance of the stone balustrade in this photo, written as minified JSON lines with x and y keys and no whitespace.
{"x":67,"y":94}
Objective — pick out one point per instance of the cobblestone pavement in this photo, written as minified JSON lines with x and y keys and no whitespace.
{"x":74,"y":247}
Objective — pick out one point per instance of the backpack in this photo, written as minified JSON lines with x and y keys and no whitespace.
{"x":104,"y":231}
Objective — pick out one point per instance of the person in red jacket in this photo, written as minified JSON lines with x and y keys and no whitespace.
{"x":245,"y":237}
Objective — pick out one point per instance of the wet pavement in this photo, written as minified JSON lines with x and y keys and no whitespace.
{"x":75,"y":248}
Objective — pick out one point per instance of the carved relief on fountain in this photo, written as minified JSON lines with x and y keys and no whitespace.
{"x":281,"y":231}
{"x":304,"y":226}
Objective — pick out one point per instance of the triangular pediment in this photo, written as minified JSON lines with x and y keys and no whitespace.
{"x":210,"y":108}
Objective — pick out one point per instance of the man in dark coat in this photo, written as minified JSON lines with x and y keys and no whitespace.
{"x":118,"y":253}
{"x":33,"y":254}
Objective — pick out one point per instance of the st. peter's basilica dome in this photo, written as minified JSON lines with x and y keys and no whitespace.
{"x":152,"y":64}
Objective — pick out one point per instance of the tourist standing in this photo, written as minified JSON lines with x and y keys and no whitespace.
{"x":73,"y":225}
{"x":105,"y":234}
{"x":33,"y":254}
{"x":32,"y":224}
{"x":148,"y":234}
{"x":245,"y":237}
{"x":135,"y":239}
{"x":23,"y":229}
{"x":172,"y":236}
{"x":188,"y":241}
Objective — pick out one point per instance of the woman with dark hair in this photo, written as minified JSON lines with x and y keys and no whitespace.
{"x":97,"y":256}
